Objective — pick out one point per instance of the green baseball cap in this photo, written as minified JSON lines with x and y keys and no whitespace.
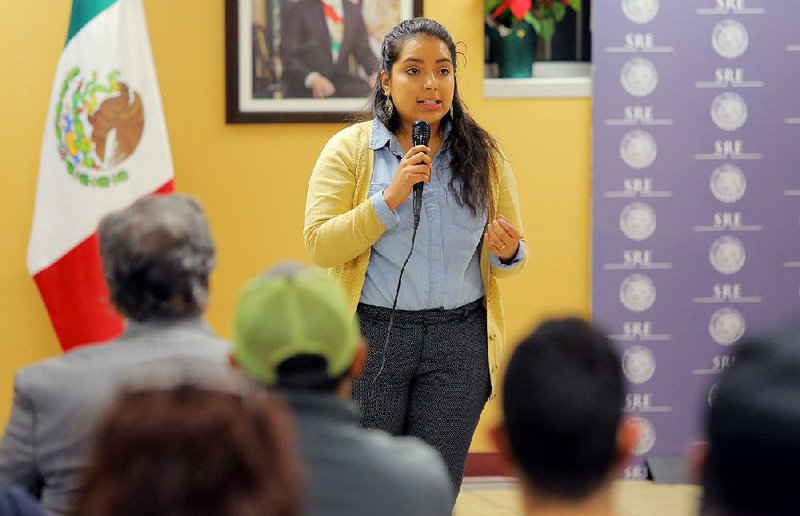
{"x":293,"y":310}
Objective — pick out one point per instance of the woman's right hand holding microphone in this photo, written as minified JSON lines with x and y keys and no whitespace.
{"x":414,"y":167}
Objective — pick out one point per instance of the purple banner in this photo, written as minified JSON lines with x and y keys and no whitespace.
{"x":696,"y":195}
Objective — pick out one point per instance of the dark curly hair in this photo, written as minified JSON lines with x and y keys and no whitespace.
{"x":473,"y":151}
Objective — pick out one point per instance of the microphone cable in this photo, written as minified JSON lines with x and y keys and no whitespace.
{"x":420,"y":135}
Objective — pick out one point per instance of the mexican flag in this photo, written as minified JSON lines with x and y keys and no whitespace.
{"x":105,"y":144}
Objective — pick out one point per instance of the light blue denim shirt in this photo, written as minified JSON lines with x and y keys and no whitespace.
{"x":444,"y":270}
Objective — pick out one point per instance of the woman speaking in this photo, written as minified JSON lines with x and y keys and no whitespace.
{"x":431,"y":314}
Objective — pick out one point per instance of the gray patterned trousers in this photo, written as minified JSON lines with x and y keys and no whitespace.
{"x":435,"y":377}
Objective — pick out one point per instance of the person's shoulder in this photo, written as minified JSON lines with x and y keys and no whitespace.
{"x":215,"y":349}
{"x":216,"y":343}
{"x":415,"y":471}
{"x":197,"y":335}
{"x":116,"y":352}
{"x":70,"y":357}
{"x":48,"y":375}
{"x":501,"y":163}
{"x":201,"y":346}
{"x":409,"y":457}
{"x":351,"y":140}
{"x":360,"y":132}
{"x":499,"y":152}
{"x":415,"y":452}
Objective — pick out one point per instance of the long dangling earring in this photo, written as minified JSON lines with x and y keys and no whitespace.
{"x":451,"y":111}
{"x":388,"y":107}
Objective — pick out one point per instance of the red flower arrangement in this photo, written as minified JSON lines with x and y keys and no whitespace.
{"x":543,"y":15}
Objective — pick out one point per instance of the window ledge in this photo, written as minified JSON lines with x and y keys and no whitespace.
{"x":550,"y":79}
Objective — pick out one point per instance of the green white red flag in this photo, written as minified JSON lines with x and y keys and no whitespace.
{"x":105,"y":144}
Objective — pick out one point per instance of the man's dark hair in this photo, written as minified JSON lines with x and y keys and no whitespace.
{"x":562,"y":400}
{"x":306,"y":373}
{"x":157,"y":255}
{"x":753,"y":431}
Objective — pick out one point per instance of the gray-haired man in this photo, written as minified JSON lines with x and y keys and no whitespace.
{"x":157,"y":256}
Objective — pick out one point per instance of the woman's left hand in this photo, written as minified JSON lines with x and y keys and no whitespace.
{"x":502,"y":238}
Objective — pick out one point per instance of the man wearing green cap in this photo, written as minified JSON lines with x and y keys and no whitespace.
{"x":293,"y":331}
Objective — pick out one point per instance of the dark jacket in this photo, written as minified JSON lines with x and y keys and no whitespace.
{"x":363,"y":472}
{"x":306,"y":47}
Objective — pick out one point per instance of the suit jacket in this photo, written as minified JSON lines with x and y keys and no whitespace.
{"x":306,"y":47}
{"x":57,"y":401}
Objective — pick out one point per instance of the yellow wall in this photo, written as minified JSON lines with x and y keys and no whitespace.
{"x":252,"y":179}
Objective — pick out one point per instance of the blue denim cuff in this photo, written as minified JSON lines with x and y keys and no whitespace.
{"x":495,"y":261}
{"x":387,"y":217}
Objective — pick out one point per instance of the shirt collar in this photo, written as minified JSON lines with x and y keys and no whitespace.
{"x":381,"y":136}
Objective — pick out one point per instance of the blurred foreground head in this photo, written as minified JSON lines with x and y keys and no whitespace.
{"x":753,"y":431}
{"x":192,"y":450}
{"x":562,"y":401}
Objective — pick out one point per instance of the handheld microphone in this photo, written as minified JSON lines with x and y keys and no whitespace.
{"x":420,"y":135}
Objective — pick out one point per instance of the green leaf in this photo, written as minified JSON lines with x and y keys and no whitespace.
{"x":82,"y":145}
{"x":103,"y":182}
{"x":529,"y":18}
{"x":537,"y":25}
{"x":548,"y":28}
{"x":490,"y":5}
{"x":121,"y":176}
{"x":576,"y":5}
{"x":559,"y":11}
{"x":84,"y":179}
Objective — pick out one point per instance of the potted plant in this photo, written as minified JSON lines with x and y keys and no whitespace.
{"x":513,"y":27}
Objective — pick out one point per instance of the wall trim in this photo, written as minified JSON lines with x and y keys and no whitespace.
{"x":486,"y":464}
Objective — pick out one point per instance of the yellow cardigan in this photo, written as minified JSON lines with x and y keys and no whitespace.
{"x":341,"y":225}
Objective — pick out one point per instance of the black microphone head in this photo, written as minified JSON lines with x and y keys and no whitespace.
{"x":420,"y":133}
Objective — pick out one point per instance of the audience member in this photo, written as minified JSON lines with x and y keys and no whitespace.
{"x":294,"y":331}
{"x":157,"y":256}
{"x":753,"y":431}
{"x":563,"y":430}
{"x":193,"y":451}
{"x":15,"y":501}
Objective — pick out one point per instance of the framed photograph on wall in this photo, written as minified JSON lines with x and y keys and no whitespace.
{"x":304,"y":60}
